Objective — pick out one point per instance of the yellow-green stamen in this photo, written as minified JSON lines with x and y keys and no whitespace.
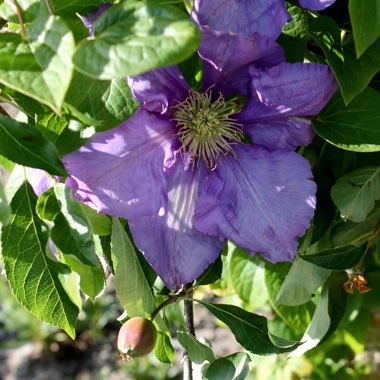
{"x":205,"y":128}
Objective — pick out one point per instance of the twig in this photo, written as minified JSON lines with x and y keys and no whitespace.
{"x":13,"y":4}
{"x":189,"y":320}
{"x":49,"y":7}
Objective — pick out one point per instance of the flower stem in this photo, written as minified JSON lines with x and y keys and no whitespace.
{"x":189,"y":320}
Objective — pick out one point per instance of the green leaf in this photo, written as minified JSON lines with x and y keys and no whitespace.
{"x":66,"y":133}
{"x":198,"y":352}
{"x":108,"y":102}
{"x":365,"y":20}
{"x":231,"y":367}
{"x":211,"y":274}
{"x":5,"y":211}
{"x":71,"y":7}
{"x":250,"y":330}
{"x":72,"y":235}
{"x":40,"y":68}
{"x":36,"y":280}
{"x":356,"y":192}
{"x":164,"y":350}
{"x":356,"y":233}
{"x":247,"y":275}
{"x":134,"y":37}
{"x":131,"y":286}
{"x":352,"y":74}
{"x":25,"y":145}
{"x":328,"y":313}
{"x":101,"y":224}
{"x":30,"y":10}
{"x":294,"y":34}
{"x":353,"y":127}
{"x":302,"y":280}
{"x":297,"y":317}
{"x":338,"y":258}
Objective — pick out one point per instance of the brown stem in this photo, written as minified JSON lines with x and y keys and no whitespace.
{"x":49,"y":7}
{"x":13,"y":4}
{"x":189,"y":320}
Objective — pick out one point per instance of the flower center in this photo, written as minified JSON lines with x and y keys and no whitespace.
{"x":205,"y":128}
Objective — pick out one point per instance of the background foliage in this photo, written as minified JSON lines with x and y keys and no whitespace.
{"x":56,"y":92}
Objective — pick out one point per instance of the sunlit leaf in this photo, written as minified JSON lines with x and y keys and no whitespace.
{"x":25,"y":145}
{"x":131,"y":286}
{"x":164,"y":350}
{"x":231,"y":367}
{"x":37,"y":281}
{"x":133,"y":37}
{"x":72,"y":235}
{"x":197,"y":351}
{"x":40,"y":67}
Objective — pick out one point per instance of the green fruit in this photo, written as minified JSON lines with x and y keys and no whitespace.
{"x":137,"y":337}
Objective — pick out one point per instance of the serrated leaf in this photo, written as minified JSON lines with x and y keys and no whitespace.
{"x":356,"y":192}
{"x":231,"y":367}
{"x":134,"y":37}
{"x":250,"y":330}
{"x":365,"y":20}
{"x":131,"y":286}
{"x":108,"y":102}
{"x":164,"y":350}
{"x":72,"y":235}
{"x":353,"y":127}
{"x":328,"y":313}
{"x":197,"y":351}
{"x":352,"y":74}
{"x":297,"y":317}
{"x":338,"y":258}
{"x":302,"y":280}
{"x":25,"y":145}
{"x":41,"y":67}
{"x":36,"y":280}
{"x":247,"y":275}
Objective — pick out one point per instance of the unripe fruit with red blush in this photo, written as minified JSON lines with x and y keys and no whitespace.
{"x":137,"y":337}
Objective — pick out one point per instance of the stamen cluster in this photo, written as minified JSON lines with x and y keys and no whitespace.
{"x":205,"y":128}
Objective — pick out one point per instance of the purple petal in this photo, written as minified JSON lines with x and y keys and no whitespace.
{"x":89,"y":19}
{"x":227,"y":58}
{"x":175,"y":249}
{"x":159,"y":89}
{"x":121,"y":171}
{"x":316,"y":5}
{"x":286,"y":134}
{"x":289,"y":89}
{"x":244,"y":17}
{"x":262,"y":201}
{"x":39,"y":180}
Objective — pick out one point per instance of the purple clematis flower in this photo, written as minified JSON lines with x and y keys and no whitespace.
{"x":316,"y":5}
{"x":179,"y":171}
{"x":244,"y":17}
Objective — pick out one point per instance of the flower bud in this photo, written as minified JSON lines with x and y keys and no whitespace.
{"x":137,"y":337}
